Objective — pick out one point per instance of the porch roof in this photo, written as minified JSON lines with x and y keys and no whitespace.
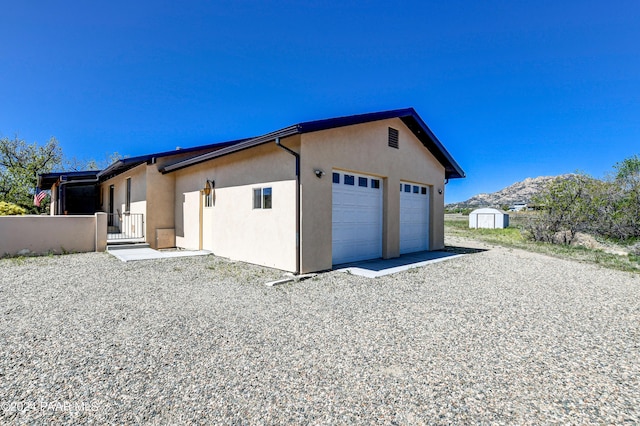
{"x":125,"y":164}
{"x":47,"y":180}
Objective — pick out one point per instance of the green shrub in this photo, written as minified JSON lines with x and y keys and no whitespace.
{"x":10,"y":209}
{"x":609,"y":208}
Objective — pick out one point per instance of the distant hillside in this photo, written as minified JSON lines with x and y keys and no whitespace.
{"x":519,"y":192}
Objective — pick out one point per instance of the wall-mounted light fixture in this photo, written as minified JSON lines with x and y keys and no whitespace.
{"x":439,"y":190}
{"x":319,"y":173}
{"x":208,"y":186}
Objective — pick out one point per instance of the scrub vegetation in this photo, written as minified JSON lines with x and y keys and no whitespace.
{"x":608,"y":208}
{"x":579,"y":217}
{"x":600,"y":251}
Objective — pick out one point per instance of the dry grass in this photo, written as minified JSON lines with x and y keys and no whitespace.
{"x":514,"y":236}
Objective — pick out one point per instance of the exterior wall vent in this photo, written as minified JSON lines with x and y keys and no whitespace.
{"x":393,"y":138}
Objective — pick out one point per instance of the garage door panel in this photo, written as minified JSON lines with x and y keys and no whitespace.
{"x":414,"y":218}
{"x":356,"y":220}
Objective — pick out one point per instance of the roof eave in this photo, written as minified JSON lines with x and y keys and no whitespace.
{"x":433,"y":144}
{"x":240,"y":146}
{"x":408,"y":115}
{"x":47,"y":180}
{"x":120,"y":166}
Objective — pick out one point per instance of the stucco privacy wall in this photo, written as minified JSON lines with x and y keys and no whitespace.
{"x":364,"y":148}
{"x":232,"y":228}
{"x":56,"y":234}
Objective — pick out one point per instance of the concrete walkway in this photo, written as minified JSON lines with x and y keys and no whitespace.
{"x":131,"y":252}
{"x":381,"y":267}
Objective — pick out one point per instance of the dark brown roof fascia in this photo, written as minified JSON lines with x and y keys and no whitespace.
{"x":283,"y":133}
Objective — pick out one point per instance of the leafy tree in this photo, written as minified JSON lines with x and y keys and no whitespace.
{"x":609,"y":208}
{"x":20,"y":164}
{"x":76,"y":164}
{"x":628,"y":172}
{"x":626,"y":187}
{"x":567,"y":207}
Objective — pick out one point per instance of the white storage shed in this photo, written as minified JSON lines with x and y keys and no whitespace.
{"x":488,"y":218}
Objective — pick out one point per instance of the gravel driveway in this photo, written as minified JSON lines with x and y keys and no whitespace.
{"x":501,"y":337}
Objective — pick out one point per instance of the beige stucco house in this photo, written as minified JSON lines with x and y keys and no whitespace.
{"x":300,"y":199}
{"x":131,"y":190}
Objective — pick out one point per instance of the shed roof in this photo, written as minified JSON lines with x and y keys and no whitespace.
{"x":408,"y":115}
{"x":488,"y":210}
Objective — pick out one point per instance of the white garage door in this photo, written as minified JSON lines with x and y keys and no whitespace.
{"x":414,"y":218}
{"x":356,"y":217}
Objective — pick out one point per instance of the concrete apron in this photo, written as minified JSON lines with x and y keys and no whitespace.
{"x":381,"y":267}
{"x":131,"y":252}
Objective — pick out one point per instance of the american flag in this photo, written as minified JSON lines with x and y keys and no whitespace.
{"x":38,"y":197}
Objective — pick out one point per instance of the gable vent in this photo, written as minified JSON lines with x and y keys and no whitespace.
{"x":393,"y":138}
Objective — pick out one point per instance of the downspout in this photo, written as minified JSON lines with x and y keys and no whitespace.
{"x":297,"y":155}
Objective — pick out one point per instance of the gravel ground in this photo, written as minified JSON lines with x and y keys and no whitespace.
{"x":500,"y":337}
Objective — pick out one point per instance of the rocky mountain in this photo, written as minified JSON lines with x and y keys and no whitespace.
{"x":519,"y":192}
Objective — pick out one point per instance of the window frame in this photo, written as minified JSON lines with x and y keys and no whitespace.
{"x":267,"y":197}
{"x":263,"y":198}
{"x":127,"y":200}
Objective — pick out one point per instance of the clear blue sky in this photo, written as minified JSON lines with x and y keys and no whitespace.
{"x":513,"y":89}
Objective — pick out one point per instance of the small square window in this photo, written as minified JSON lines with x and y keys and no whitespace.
{"x":416,"y":189}
{"x":349,"y":180}
{"x":262,"y":198}
{"x":336,"y":177}
{"x":424,"y":190}
{"x":407,"y":188}
{"x":375,"y":183}
{"x":362,"y":181}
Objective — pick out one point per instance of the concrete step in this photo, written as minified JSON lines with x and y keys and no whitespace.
{"x":126,"y":246}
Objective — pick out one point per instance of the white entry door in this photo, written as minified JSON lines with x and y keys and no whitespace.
{"x":356,"y":232}
{"x":414,"y":218}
